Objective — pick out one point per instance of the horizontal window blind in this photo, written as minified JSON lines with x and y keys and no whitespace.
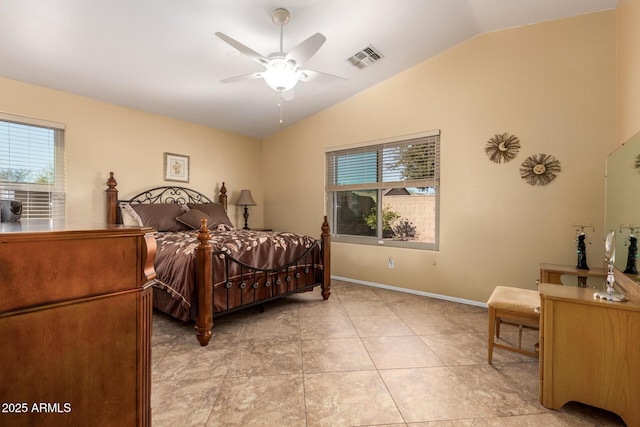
{"x":407,"y":163}
{"x":32,"y":168}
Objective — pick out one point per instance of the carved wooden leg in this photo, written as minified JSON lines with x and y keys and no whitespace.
{"x":326,"y":289}
{"x":204,"y":332}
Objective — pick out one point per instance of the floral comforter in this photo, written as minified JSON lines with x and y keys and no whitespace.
{"x":176,"y":254}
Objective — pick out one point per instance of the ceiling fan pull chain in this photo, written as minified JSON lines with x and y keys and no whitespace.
{"x":280,"y":107}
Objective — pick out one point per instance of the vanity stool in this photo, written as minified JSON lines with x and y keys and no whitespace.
{"x":515,"y":306}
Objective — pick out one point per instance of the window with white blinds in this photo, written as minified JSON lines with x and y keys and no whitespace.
{"x":386,"y":193}
{"x":32,"y":165}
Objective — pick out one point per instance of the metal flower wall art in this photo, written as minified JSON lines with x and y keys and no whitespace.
{"x":539,"y":169}
{"x":502,"y":147}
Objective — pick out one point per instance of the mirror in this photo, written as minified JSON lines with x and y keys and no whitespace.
{"x":610,"y":248}
{"x":622,"y":207}
{"x":610,"y":257}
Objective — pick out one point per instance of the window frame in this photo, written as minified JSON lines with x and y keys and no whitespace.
{"x":56,"y":190}
{"x":332,"y":189}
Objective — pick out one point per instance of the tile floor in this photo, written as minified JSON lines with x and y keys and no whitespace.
{"x":365,"y":357}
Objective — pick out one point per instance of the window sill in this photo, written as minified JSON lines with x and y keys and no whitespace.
{"x":372,"y":241}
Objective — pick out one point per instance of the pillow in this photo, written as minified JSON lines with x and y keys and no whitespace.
{"x":193,"y":219}
{"x":215,"y":211}
{"x":160,"y":216}
{"x":223,"y":227}
{"x":129,"y":216}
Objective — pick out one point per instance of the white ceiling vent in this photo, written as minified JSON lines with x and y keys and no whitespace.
{"x":365,"y":57}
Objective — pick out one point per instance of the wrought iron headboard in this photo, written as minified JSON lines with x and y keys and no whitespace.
{"x":170,"y":194}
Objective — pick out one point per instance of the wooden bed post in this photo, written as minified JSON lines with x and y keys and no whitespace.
{"x":223,"y":196}
{"x":326,"y":259}
{"x":112,"y":200}
{"x":204,"y":285}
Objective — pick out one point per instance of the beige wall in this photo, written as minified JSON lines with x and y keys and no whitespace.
{"x":102,"y":137}
{"x":551,"y":84}
{"x":628,"y":69}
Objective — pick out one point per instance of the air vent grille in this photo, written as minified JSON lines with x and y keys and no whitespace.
{"x":365,"y":57}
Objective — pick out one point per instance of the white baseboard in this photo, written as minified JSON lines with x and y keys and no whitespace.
{"x":411,"y":291}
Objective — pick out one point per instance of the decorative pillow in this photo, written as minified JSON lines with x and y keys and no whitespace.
{"x":161,"y":216}
{"x":223,"y":227}
{"x":215,"y":211}
{"x":193,"y":219}
{"x":129,"y":216}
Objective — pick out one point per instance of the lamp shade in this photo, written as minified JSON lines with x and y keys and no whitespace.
{"x":245,"y":199}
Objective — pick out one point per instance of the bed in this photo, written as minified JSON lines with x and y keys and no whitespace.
{"x":205,"y":267}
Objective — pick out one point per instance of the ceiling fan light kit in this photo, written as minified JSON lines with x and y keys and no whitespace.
{"x":281,"y":75}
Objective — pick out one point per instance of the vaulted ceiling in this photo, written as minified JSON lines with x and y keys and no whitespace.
{"x":162,"y":56}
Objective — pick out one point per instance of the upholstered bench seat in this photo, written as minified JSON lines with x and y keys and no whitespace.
{"x":514,"y":306}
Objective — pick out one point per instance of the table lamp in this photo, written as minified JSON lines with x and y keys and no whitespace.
{"x":246,"y":200}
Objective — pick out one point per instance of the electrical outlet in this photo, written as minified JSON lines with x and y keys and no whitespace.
{"x":392,"y":262}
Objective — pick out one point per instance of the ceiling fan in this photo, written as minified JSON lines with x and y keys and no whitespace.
{"x":283,"y":70}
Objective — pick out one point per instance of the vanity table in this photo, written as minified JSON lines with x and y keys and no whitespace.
{"x":552,"y":273}
{"x":590,"y":350}
{"x":75,"y":324}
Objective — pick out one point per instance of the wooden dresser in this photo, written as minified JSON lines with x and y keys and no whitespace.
{"x":75,"y":324}
{"x":590,"y":350}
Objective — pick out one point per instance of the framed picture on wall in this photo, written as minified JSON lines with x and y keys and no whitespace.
{"x":176,"y":167}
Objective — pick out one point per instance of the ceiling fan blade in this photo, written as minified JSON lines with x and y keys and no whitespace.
{"x":251,"y":76}
{"x":310,"y":76}
{"x":243,"y":49}
{"x":305,"y":50}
